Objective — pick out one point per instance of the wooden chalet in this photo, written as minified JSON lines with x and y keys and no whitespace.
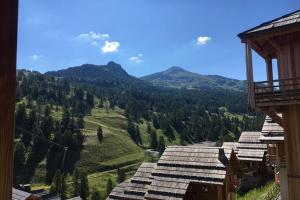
{"x":252,"y":156}
{"x":184,"y":172}
{"x":273,"y":136}
{"x":278,"y":41}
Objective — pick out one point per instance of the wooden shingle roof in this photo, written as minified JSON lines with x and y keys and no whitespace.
{"x":176,"y":169}
{"x":181,"y":165}
{"x":230,"y":145}
{"x":290,"y":20}
{"x":118,"y":192}
{"x":136,"y":187}
{"x":250,"y":148}
{"x":19,"y":195}
{"x":272,"y":132}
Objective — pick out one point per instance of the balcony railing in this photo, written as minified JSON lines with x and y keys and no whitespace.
{"x":277,"y":92}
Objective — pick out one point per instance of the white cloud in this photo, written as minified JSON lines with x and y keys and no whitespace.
{"x":110,"y":47}
{"x":92,"y":37}
{"x":137,"y":59}
{"x":35,"y":57}
{"x":202,"y":40}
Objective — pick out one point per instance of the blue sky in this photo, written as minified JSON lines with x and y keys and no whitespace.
{"x":144,"y":36}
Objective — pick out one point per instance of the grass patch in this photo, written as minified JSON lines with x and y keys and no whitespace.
{"x":257,"y":193}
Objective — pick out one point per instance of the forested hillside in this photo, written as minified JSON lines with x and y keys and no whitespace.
{"x":96,"y":123}
{"x":177,"y":77}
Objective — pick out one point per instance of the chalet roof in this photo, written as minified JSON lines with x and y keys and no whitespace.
{"x":137,"y":186}
{"x":283,"y":22}
{"x":181,"y":165}
{"x":250,"y":148}
{"x":230,"y":145}
{"x":19,"y":195}
{"x":176,"y":169}
{"x":272,"y":132}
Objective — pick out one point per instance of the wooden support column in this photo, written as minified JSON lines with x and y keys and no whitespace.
{"x":269,"y":73}
{"x":251,"y":98}
{"x":291,"y":117}
{"x":8,"y":45}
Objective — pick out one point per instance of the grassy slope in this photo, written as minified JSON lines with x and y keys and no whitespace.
{"x":100,"y":160}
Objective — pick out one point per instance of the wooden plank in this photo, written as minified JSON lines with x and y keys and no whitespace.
{"x":8,"y":45}
{"x":269,"y":72}
{"x":251,"y":97}
{"x":291,"y":117}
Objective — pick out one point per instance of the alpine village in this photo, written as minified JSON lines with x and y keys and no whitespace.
{"x":94,"y":132}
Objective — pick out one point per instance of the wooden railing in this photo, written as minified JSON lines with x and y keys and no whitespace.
{"x":282,"y":91}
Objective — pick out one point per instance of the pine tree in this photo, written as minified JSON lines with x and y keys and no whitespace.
{"x":161,"y":145}
{"x":153,"y":139}
{"x":80,"y":122}
{"x":95,"y":195}
{"x":84,"y":187}
{"x":63,"y":192}
{"x":19,"y":162}
{"x":76,"y":183}
{"x":109,"y":187}
{"x":138,"y":135}
{"x":132,"y":131}
{"x":56,"y":185}
{"x":121,"y":176}
{"x":100,"y":134}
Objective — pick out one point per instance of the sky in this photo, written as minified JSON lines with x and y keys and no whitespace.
{"x":144,"y":36}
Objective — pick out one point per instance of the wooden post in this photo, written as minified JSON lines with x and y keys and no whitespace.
{"x":291,"y":117}
{"x":8,"y":46}
{"x":251,"y":98}
{"x":269,"y":73}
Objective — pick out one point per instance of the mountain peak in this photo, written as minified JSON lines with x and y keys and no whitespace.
{"x":175,"y":69}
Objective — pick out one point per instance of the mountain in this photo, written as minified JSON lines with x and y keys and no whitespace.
{"x":96,"y":73}
{"x":177,"y":77}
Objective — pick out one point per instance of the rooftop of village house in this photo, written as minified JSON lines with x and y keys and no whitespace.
{"x":176,"y":169}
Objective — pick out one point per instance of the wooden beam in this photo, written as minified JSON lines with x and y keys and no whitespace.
{"x":251,"y":98}
{"x":269,"y":72}
{"x":274,"y":44}
{"x":8,"y":46}
{"x":275,"y":117}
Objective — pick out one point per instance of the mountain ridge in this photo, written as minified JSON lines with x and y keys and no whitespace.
{"x":178,"y":77}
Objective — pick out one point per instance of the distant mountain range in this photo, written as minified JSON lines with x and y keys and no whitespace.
{"x":177,"y":77}
{"x":174,"y":77}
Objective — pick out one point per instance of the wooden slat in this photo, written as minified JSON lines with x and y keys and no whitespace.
{"x":8,"y":45}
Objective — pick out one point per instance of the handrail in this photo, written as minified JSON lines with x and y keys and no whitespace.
{"x":278,"y":80}
{"x":281,"y":90}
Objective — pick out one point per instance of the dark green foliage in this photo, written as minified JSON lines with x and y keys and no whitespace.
{"x":84,"y":187}
{"x":109,"y":187}
{"x":153,"y":139}
{"x":121,"y":176}
{"x":161,"y":145}
{"x":19,"y":162}
{"x":56,"y":185}
{"x":76,"y":182}
{"x":100,"y":134}
{"x":95,"y":195}
{"x":80,"y":122}
{"x":134,"y":132}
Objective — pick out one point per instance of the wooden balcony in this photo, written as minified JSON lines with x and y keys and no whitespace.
{"x":277,"y":92}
